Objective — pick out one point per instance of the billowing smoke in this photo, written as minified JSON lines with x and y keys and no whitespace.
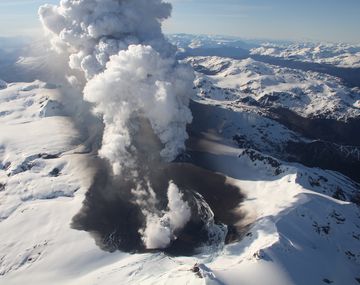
{"x":128,"y":71}
{"x":161,"y":228}
{"x":90,"y":31}
{"x":139,"y":81}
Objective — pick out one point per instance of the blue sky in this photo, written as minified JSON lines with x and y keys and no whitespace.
{"x":329,"y":20}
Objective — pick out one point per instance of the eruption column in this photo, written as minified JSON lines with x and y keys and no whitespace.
{"x":129,"y":72}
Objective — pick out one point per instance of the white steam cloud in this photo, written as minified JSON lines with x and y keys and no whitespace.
{"x":161,"y":228}
{"x":140,"y":81}
{"x":90,"y":31}
{"x":129,"y":69}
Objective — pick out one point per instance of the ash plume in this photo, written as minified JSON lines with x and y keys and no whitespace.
{"x":129,"y":68}
{"x":128,"y":71}
{"x":140,"y":81}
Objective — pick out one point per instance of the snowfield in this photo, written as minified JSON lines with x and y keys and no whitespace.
{"x":303,"y":222}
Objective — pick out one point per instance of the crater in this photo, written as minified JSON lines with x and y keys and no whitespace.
{"x":114,"y":220}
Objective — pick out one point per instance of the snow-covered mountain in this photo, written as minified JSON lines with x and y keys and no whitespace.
{"x":335,"y":54}
{"x":308,"y":94}
{"x":187,"y":41}
{"x":285,"y":140}
{"x":342,"y":55}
